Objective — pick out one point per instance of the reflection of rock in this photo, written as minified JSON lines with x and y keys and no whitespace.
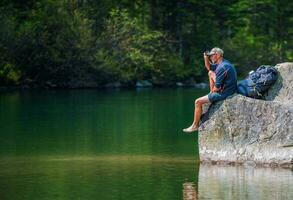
{"x":144,"y":83}
{"x":113,"y":85}
{"x":189,"y":191}
{"x":193,"y":84}
{"x":246,"y":130}
{"x":179,"y":84}
{"x":201,"y":86}
{"x":190,"y":82}
{"x":226,"y":182}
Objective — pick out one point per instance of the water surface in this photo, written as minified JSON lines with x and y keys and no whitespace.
{"x":114,"y":144}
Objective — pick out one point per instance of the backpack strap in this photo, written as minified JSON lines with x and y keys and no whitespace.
{"x":256,"y":91}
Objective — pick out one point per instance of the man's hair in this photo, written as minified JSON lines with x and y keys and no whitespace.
{"x":218,"y":51}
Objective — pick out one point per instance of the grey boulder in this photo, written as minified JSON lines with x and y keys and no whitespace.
{"x":250,"y":131}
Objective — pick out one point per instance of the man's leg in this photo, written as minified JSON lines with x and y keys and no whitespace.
{"x":198,"y":108}
{"x":197,"y":113}
{"x":212,"y":79}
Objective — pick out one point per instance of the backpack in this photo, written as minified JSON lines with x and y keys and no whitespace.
{"x":258,"y":82}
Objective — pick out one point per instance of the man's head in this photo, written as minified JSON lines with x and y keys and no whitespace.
{"x":216,"y":54}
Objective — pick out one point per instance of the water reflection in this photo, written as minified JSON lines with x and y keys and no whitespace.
{"x":227,"y":182}
{"x":190,"y":188}
{"x":190,"y":191}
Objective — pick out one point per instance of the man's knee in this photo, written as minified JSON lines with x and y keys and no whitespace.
{"x":212,"y":73}
{"x":202,"y":100}
{"x":198,"y":102}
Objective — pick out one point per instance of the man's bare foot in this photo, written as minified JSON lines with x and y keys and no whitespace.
{"x":190,"y":129}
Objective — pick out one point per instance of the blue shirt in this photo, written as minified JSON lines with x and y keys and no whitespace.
{"x":226,"y":77}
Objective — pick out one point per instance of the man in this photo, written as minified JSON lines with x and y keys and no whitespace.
{"x":223,"y":82}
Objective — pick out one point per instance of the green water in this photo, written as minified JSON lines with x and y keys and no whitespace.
{"x":113,"y":144}
{"x":89,"y":144}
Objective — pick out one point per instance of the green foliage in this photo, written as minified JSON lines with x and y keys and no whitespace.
{"x":55,"y":43}
{"x":63,"y":41}
{"x":131,"y":51}
{"x":8,"y":74}
{"x":264,"y":34}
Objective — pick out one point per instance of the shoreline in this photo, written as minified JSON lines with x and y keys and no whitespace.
{"x":26,"y":88}
{"x":248,"y":164}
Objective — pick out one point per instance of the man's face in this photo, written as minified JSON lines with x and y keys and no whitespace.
{"x":215,"y":57}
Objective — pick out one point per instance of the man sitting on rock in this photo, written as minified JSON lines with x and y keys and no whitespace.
{"x":223,"y":83}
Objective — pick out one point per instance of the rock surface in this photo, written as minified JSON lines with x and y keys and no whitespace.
{"x":251,"y":131}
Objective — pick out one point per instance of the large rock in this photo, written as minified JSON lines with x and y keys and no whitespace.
{"x":250,"y":131}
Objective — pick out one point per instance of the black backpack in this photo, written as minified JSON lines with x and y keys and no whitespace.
{"x":258,"y":82}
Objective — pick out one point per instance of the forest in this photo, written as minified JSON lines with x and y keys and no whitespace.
{"x":84,"y":43}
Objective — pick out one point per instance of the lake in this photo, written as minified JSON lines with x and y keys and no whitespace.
{"x":116,"y":144}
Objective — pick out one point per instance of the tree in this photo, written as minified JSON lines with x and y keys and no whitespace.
{"x":132,"y":52}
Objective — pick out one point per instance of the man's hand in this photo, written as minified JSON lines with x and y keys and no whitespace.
{"x":206,"y":61}
{"x":205,"y":56}
{"x":215,"y":89}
